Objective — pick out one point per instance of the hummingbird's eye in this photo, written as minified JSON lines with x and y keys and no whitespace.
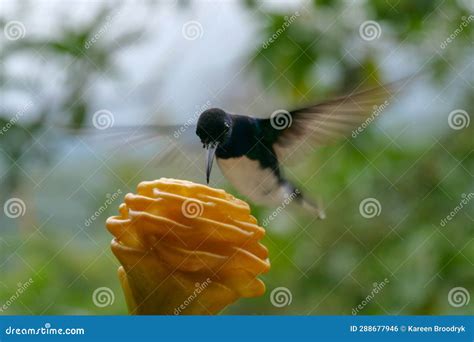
{"x":226,"y":127}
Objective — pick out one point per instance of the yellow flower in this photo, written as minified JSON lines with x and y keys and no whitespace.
{"x":186,"y":248}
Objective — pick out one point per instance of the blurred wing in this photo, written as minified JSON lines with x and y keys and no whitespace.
{"x":183,"y":151}
{"x":296,"y":133}
{"x":169,"y":144}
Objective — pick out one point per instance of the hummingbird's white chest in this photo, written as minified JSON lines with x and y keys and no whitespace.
{"x":249,"y":178}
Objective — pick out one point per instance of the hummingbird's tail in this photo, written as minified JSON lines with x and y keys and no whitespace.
{"x":312,"y":206}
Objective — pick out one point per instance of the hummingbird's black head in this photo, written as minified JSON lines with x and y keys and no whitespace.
{"x":214,"y":127}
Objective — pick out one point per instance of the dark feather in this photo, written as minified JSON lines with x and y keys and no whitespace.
{"x":326,"y":122}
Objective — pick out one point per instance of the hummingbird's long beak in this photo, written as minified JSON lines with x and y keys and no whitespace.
{"x":211,"y":151}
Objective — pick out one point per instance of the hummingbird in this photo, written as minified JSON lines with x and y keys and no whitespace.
{"x":251,"y":151}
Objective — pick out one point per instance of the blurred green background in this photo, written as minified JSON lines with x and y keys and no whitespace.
{"x":137,"y":60}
